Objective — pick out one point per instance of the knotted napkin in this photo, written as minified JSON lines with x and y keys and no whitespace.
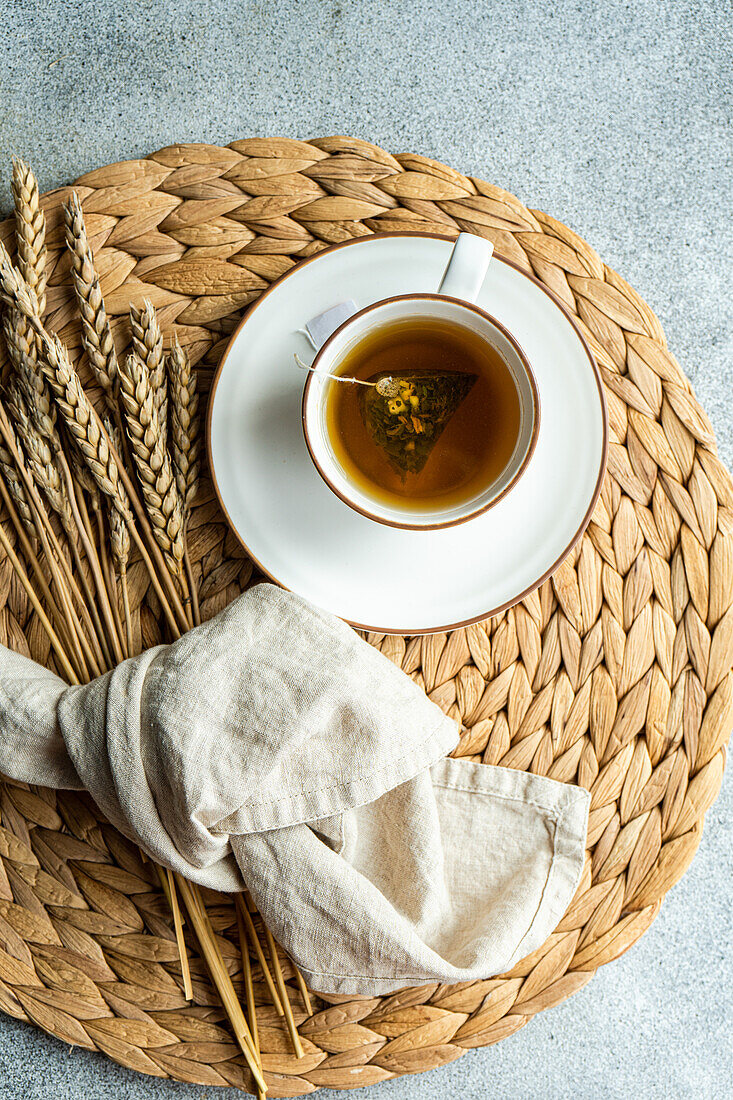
{"x":273,"y":748}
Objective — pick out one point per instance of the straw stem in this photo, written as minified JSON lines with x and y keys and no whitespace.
{"x":178,"y":926}
{"x":126,"y":610}
{"x":94,"y":563}
{"x":37,"y":607}
{"x":282,"y":990}
{"x":192,"y":586}
{"x":32,"y":559}
{"x":254,"y":940}
{"x":56,"y":559}
{"x":249,"y":989}
{"x":303,"y":989}
{"x":220,"y":976}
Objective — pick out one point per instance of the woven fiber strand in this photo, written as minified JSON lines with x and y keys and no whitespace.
{"x":615,"y":674}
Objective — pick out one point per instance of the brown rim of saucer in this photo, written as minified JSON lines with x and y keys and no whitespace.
{"x":479,"y":510}
{"x":601,"y":471}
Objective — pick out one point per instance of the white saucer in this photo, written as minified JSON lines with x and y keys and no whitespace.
{"x":382,"y":578}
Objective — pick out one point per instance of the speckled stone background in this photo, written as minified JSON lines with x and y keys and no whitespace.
{"x":614,"y":117}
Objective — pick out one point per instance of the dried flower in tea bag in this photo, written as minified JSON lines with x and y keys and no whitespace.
{"x":407,"y":423}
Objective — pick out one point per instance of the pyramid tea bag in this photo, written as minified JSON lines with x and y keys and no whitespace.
{"x":405,"y":413}
{"x":422,"y":412}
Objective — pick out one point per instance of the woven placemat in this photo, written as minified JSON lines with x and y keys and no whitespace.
{"x":615,"y":674}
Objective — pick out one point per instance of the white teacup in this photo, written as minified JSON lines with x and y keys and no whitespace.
{"x":454,"y":302}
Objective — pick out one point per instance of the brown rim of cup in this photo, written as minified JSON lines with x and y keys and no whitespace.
{"x":478,"y":511}
{"x":500,"y":608}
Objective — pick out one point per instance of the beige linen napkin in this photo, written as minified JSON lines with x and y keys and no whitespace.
{"x":272,"y":747}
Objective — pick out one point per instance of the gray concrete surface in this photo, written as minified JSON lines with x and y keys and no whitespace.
{"x":614,"y":117}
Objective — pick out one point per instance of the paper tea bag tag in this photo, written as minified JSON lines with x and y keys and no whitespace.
{"x":406,"y":416}
{"x":319,"y":328}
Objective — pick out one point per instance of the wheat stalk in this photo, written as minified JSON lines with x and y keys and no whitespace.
{"x":23,"y":355}
{"x":53,"y":637}
{"x":30,"y":231}
{"x":95,"y":328}
{"x":82,"y":420}
{"x":147,"y":343}
{"x":249,"y":991}
{"x":86,"y":537}
{"x":20,"y":339}
{"x":282,"y":990}
{"x":82,"y":476}
{"x":17,"y":492}
{"x":30,"y":237}
{"x":82,"y":423}
{"x":305,"y":995}
{"x":103,"y":463}
{"x":184,"y":447}
{"x":119,"y":533}
{"x":14,"y":290}
{"x":160,"y":492}
{"x":119,"y":538}
{"x":85,"y":427}
{"x":29,"y":545}
{"x":97,"y":538}
{"x":39,"y":455}
{"x":254,"y":939}
{"x":35,"y":416}
{"x":50,"y":470}
{"x":184,"y":425}
{"x":61,"y":574}
{"x":202,"y":926}
{"x":18,"y":503}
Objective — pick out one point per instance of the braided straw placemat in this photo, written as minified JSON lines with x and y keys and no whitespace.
{"x":616,"y":674}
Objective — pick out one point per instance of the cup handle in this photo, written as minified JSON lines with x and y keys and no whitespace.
{"x":467,"y":267}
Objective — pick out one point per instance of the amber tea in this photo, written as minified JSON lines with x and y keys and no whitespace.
{"x":441,"y":432}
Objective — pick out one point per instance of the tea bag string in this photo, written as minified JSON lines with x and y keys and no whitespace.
{"x":385,"y":387}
